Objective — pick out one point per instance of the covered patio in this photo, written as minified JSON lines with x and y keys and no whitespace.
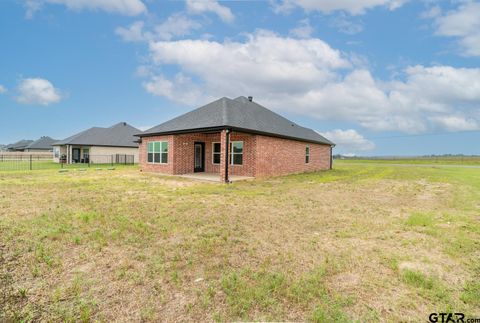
{"x":218,"y":155}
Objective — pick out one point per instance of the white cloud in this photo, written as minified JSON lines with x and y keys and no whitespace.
{"x":353,"y":7}
{"x":123,"y":7}
{"x":263,"y":59}
{"x":132,"y":33}
{"x":432,"y":12}
{"x":307,"y":76}
{"x":180,"y":89}
{"x":37,"y":91}
{"x":177,"y":25}
{"x":457,"y":123}
{"x":303,"y":30}
{"x":346,"y":25}
{"x":2,"y":89}
{"x":348,"y":141}
{"x":464,"y":24}
{"x":202,"y":6}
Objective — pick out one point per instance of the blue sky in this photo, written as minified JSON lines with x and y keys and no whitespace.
{"x":378,"y":77}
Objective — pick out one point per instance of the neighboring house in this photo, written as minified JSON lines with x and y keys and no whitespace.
{"x":258,"y":142}
{"x":19,"y":145}
{"x":43,"y":144}
{"x":98,"y":145}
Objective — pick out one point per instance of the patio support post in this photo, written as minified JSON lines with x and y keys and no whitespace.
{"x":331,"y":157}
{"x":224,"y":144}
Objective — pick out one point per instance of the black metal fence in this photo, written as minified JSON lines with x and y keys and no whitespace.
{"x":27,"y":162}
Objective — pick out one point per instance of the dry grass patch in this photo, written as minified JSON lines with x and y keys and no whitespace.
{"x":357,"y":243}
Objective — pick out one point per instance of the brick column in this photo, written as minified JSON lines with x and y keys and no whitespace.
{"x":223,"y":156}
{"x":331,"y":157}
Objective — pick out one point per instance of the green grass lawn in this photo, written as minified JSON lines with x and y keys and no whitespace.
{"x":360,"y":242}
{"x":25,"y":165}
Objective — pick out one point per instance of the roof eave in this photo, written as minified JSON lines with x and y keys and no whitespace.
{"x":174,"y":132}
{"x":95,"y":145}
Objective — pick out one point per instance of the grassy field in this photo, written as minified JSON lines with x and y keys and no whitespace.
{"x":473,"y":161}
{"x":361,"y":242}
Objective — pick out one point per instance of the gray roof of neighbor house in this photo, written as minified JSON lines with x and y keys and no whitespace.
{"x":44,"y":142}
{"x":21,"y":144}
{"x":238,"y":114}
{"x":119,"y":135}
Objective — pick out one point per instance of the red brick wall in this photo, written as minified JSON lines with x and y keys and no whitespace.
{"x":184,"y":149}
{"x":161,"y":168}
{"x":184,"y":152}
{"x":277,"y":156}
{"x":210,"y":167}
{"x":249,"y":151}
{"x":262,"y":155}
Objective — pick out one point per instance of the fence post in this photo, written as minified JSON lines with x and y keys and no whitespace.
{"x":111,"y":160}
{"x":125,"y":159}
{"x":30,"y":161}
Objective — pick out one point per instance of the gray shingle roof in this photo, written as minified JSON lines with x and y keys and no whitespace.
{"x":240,"y":114}
{"x":21,"y":144}
{"x":119,"y":135}
{"x":44,"y":142}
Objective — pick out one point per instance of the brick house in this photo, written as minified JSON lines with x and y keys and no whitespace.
{"x":257,"y":141}
{"x":99,"y":145}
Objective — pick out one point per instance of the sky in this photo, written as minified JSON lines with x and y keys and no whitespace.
{"x":377,"y":77}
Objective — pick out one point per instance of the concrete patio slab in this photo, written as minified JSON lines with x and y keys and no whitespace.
{"x":214,"y":177}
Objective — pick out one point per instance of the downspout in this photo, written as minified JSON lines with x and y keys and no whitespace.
{"x":227,"y":145}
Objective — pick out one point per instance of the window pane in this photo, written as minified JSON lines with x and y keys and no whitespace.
{"x":164,"y":158}
{"x":237,"y":146}
{"x":216,"y":158}
{"x":165,"y":147}
{"x":150,"y":147}
{"x":307,"y":150}
{"x":307,"y":159}
{"x":237,"y":159}
{"x":150,"y":157}
{"x":157,"y":147}
{"x":216,"y":147}
{"x":156,"y":157}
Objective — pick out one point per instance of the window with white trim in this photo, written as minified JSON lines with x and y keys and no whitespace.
{"x":307,"y":154}
{"x":216,"y":152}
{"x":157,"y":152}
{"x":236,"y":153}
